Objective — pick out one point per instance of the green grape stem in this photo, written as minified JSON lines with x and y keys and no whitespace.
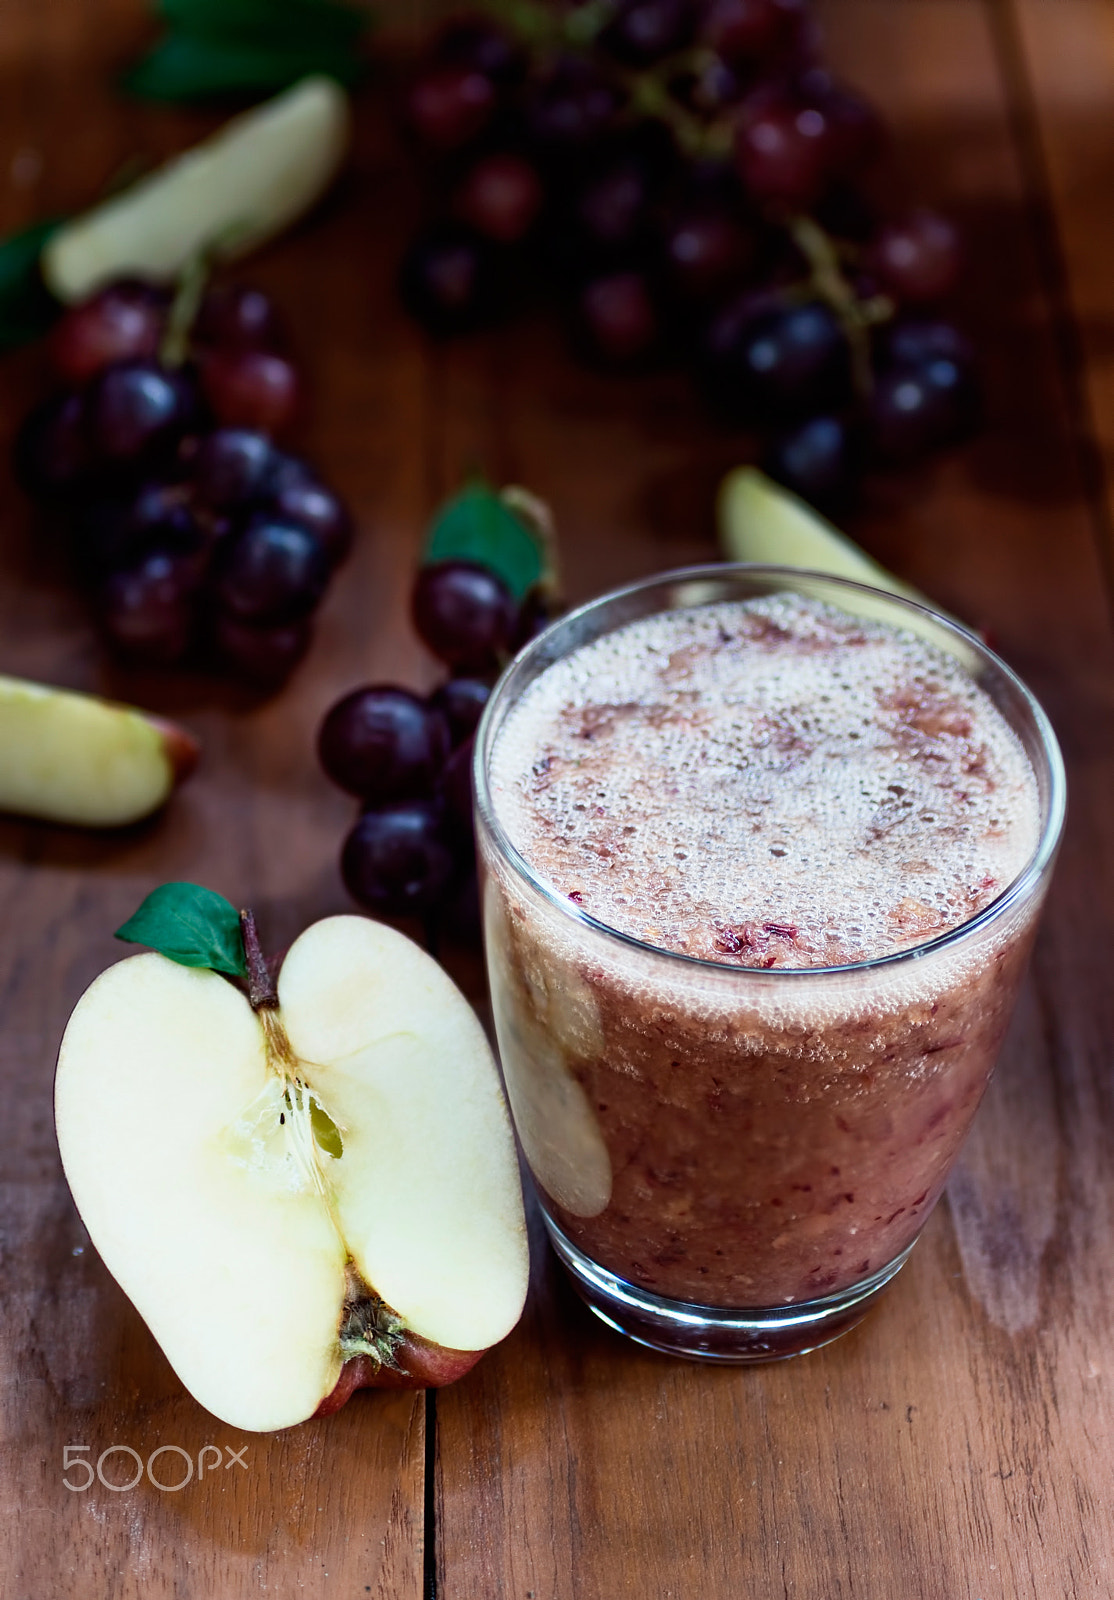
{"x":829,"y":283}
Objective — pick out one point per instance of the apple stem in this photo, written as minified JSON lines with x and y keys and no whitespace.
{"x":261,"y":986}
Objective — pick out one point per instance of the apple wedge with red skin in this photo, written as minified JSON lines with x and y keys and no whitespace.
{"x":305,"y":1188}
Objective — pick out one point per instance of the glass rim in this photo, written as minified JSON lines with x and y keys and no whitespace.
{"x":1017,"y":890}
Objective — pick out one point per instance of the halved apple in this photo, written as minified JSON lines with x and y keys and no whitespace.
{"x":304,"y":1194}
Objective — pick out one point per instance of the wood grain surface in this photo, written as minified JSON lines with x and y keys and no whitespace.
{"x":959,"y":1445}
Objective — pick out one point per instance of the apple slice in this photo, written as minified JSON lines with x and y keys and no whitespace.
{"x":68,"y":757}
{"x":303,"y":1189}
{"x":233,"y":191}
{"x":760,"y":521}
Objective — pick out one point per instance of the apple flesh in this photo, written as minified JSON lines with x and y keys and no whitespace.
{"x":195,"y":1132}
{"x":74,"y":758}
{"x":224,"y":197}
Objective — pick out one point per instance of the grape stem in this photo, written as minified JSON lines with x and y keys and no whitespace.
{"x":649,"y":91}
{"x":194,"y":276}
{"x":829,"y":283}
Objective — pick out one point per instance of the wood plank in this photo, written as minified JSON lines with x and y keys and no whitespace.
{"x":1062,"y":61}
{"x":949,"y":1446}
{"x":335,"y":1506}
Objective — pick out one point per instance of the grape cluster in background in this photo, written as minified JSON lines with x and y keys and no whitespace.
{"x":196,"y":537}
{"x":408,"y":757}
{"x":684,"y":178}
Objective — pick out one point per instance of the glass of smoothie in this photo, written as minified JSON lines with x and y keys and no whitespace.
{"x":763,"y":853}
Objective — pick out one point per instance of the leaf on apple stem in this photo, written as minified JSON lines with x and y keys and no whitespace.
{"x":194,"y":926}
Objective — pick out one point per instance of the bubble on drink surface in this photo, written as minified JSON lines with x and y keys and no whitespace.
{"x":705,"y":779}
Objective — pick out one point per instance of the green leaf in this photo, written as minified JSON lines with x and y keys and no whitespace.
{"x":284,"y":24}
{"x":476,"y":526}
{"x":325,"y":1130}
{"x":191,"y":925}
{"x":27,"y":308}
{"x":184,"y":68}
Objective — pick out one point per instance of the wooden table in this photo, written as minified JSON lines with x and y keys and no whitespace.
{"x":958,"y":1446}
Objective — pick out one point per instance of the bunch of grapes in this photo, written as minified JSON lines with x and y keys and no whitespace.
{"x":685,"y":177}
{"x":408,"y":759}
{"x":196,"y":536}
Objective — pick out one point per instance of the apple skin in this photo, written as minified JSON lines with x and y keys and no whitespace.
{"x":182,"y":750}
{"x":424,"y":1366}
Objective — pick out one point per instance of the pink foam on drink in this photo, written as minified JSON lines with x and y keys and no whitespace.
{"x":767,"y":783}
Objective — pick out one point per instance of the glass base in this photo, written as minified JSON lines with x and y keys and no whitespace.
{"x":716,"y":1333}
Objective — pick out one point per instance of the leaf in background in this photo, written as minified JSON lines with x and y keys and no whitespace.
{"x":185,"y":68}
{"x":191,"y":925}
{"x":476,"y":525}
{"x":285,"y":24}
{"x":222,"y":48}
{"x":27,"y":308}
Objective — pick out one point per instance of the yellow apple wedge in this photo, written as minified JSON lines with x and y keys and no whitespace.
{"x":74,"y":758}
{"x":761,"y":522}
{"x":227,"y":195}
{"x":305,"y":1188}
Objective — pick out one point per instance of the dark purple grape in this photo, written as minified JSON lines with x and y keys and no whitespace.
{"x":917,"y":259}
{"x":855,"y":132}
{"x":313,"y":506}
{"x":450,"y":104}
{"x":235,"y":317}
{"x":233,"y":467}
{"x":785,"y":152}
{"x":148,"y":610}
{"x":450,"y":280}
{"x":500,"y":197}
{"x":456,"y":792}
{"x":397,"y":861}
{"x":461,"y":702}
{"x":51,"y":455}
{"x":643,"y":31}
{"x":122,"y":322}
{"x":383,"y":743}
{"x":817,"y":460}
{"x":571,"y":106}
{"x":136,"y":409}
{"x":286,"y":471}
{"x":781,"y":364}
{"x":612,"y":208}
{"x":479,"y":43}
{"x":465,"y":614}
{"x":707,"y":252}
{"x":916,"y":409}
{"x":534,"y":616}
{"x":255,"y":389}
{"x":263,"y":656}
{"x":110,"y":534}
{"x":274,"y":572}
{"x":619,"y":316}
{"x":745,"y":31}
{"x":909,"y":344}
